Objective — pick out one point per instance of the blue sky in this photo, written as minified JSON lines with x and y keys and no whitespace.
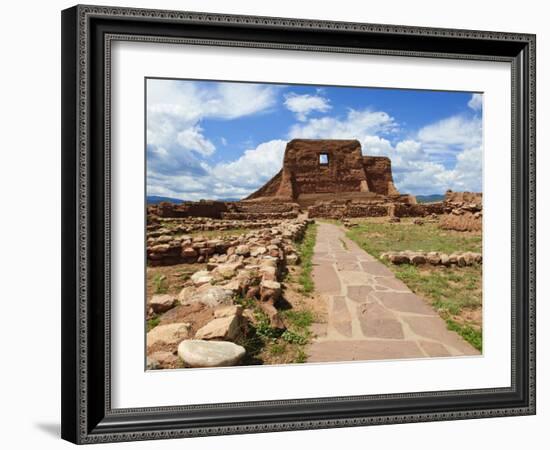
{"x":208,"y":139}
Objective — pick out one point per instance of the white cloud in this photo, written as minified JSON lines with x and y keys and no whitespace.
{"x":193,"y":139}
{"x":476,"y":102}
{"x":235,"y":179}
{"x":355,"y":125}
{"x":255,"y":167}
{"x":451,"y":134}
{"x":175,"y":141}
{"x":375,"y":145}
{"x":302,"y":105}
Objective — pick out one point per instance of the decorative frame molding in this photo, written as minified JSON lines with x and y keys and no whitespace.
{"x":87,"y":34}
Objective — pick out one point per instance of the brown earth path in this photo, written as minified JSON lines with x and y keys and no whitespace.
{"x":371,"y":314}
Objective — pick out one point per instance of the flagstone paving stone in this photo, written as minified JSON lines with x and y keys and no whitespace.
{"x":371,"y":314}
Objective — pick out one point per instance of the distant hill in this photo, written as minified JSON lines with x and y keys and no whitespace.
{"x":154,"y":199}
{"x":430,"y":198}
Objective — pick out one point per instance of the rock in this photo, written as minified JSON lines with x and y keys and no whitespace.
{"x":198,"y":353}
{"x":256,"y":251}
{"x":227,"y":270}
{"x":206,"y":251}
{"x":234,"y":286}
{"x":269,"y":261}
{"x":469,"y":258}
{"x":398,"y":258}
{"x":418,"y":222}
{"x":270,"y":290}
{"x":292,"y":259}
{"x":188,"y":252}
{"x":227,"y":311}
{"x":445,"y":260}
{"x":461,"y":261}
{"x":169,"y":334}
{"x":210,"y":296}
{"x":394,"y":219}
{"x":211,"y":265}
{"x":433,"y":258}
{"x":418,"y":258}
{"x":201,"y":277}
{"x":185,"y":294}
{"x":268,"y":273}
{"x":164,"y":358}
{"x":224,"y":328}
{"x":274,"y":318}
{"x":253,"y":292}
{"x":161,"y":248}
{"x":242,"y":250}
{"x":152,"y":363}
{"x":162,"y":302}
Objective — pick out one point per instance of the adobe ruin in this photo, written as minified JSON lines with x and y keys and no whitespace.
{"x":327,"y":178}
{"x":326,"y":169}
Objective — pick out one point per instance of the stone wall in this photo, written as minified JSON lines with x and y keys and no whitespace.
{"x":463,"y":197}
{"x":327,"y":166}
{"x":168,"y":249}
{"x":172,"y":226}
{"x":225,"y":210}
{"x":259,"y":215}
{"x":379,"y":175}
{"x":204,"y":208}
{"x":418,"y":210}
{"x":336,"y":210}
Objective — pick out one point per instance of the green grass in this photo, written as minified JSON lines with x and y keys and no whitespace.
{"x":152,"y":323}
{"x":265,"y":343}
{"x":160,"y":284}
{"x":452,"y":291}
{"x":470,"y":334}
{"x":305,"y":250}
{"x":377,"y":238}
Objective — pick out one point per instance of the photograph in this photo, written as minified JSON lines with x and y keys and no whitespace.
{"x":279,"y":222}
{"x":297,"y":224}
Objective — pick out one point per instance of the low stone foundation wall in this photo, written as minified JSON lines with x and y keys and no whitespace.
{"x":459,"y":259}
{"x":336,"y":210}
{"x":225,"y":210}
{"x":418,"y":210}
{"x":168,"y":250}
{"x":173,"y":226}
{"x":259,"y":216}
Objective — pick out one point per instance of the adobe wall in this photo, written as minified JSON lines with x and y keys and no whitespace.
{"x":379,"y":175}
{"x":346,"y":171}
{"x":463,"y":197}
{"x":336,"y":209}
{"x":343,"y":172}
{"x":212,"y":209}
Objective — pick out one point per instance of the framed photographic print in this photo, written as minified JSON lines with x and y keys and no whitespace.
{"x":280,"y":224}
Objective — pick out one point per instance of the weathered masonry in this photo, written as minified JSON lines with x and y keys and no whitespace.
{"x":325,"y":169}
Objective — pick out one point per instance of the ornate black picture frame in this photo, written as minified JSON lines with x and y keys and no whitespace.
{"x":87,"y":34}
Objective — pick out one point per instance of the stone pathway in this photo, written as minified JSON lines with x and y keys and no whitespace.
{"x":371,"y":314}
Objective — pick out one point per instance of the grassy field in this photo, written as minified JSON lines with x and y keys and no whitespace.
{"x":454,"y":292}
